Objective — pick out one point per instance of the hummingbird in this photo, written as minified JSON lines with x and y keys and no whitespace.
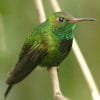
{"x":48,"y":45}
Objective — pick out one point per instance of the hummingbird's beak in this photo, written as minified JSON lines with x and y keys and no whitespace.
{"x":76,"y":20}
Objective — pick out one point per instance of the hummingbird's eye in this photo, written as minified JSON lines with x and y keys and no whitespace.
{"x":61,"y":19}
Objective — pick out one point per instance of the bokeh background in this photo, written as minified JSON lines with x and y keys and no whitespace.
{"x":19,"y":17}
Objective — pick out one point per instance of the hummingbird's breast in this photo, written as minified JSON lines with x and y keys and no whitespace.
{"x":56,"y":55}
{"x":65,"y":45}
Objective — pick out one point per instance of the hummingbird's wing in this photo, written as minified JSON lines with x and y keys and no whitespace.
{"x":30,"y":57}
{"x":26,"y":64}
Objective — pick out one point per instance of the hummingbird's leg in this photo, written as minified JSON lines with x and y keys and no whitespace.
{"x":55,"y":83}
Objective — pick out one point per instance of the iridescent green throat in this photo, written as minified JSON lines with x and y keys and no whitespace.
{"x":66,"y":32}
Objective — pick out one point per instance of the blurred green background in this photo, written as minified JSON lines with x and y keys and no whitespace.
{"x":19,"y":17}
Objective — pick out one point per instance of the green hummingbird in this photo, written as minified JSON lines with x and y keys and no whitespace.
{"x":48,"y":45}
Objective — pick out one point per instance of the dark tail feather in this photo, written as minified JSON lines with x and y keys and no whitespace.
{"x":7,"y":91}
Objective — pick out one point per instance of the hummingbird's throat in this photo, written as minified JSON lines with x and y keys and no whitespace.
{"x":66,"y":33}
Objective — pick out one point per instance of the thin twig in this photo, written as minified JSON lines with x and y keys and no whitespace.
{"x":56,"y":86}
{"x":85,"y":69}
{"x":40,"y":10}
{"x":81,"y":60}
{"x":55,"y":83}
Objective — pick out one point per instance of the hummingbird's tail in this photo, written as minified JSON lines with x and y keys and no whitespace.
{"x":7,"y":91}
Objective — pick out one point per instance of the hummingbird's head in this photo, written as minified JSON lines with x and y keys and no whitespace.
{"x":63,"y":24}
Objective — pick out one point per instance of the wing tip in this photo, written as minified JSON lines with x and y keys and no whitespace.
{"x":7,"y":91}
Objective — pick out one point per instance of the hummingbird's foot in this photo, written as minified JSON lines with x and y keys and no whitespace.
{"x":59,"y":96}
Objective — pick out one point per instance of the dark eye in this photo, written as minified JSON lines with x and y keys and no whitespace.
{"x":61,"y":19}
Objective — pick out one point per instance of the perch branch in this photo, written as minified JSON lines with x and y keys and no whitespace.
{"x":55,"y":83}
{"x":40,"y":10}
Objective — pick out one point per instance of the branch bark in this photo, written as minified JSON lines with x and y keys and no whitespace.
{"x":55,"y":83}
